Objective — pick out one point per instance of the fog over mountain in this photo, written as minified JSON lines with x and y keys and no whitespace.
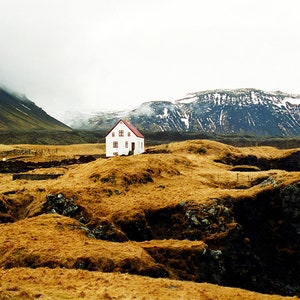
{"x":17,"y":112}
{"x":89,"y":55}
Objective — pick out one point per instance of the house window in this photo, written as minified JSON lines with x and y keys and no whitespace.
{"x":115,"y":153}
{"x":121,"y":132}
{"x":128,"y":134}
{"x":115,"y":145}
{"x":113,"y":134}
{"x":126,"y":144}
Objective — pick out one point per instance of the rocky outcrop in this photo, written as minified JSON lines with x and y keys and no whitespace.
{"x":104,"y":230}
{"x":249,"y":242}
{"x":291,"y":206}
{"x":252,"y":243}
{"x":271,"y":224}
{"x":58,"y":203}
{"x":255,"y":240}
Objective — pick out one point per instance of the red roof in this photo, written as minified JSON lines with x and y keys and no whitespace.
{"x":132,"y":128}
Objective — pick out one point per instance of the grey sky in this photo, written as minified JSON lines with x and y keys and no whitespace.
{"x":115,"y":54}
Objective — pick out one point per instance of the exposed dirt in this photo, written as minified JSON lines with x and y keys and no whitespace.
{"x":196,"y":211}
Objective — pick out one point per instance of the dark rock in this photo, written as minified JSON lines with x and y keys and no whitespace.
{"x":291,"y":205}
{"x":111,"y":179}
{"x":58,"y":203}
{"x":271,"y":222}
{"x":108,"y":231}
{"x":269,"y":181}
{"x":118,"y":192}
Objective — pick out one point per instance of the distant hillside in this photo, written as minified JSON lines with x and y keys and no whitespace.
{"x":19,"y":113}
{"x":229,"y":112}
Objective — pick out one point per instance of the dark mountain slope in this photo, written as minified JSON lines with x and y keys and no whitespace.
{"x":244,"y":111}
{"x":19,"y":113}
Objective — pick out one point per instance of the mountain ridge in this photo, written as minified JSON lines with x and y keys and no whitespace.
{"x":17,"y":112}
{"x":245,"y":111}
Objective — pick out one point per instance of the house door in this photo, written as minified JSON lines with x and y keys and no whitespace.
{"x":132,"y":147}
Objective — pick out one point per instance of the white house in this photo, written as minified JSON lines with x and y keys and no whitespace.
{"x":124,"y":139}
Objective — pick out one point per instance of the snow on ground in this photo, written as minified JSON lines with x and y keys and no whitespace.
{"x":26,"y":107}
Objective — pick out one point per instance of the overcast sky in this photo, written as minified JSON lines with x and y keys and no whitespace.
{"x":90,"y":55}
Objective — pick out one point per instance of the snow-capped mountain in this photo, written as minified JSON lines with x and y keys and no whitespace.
{"x":92,"y":121}
{"x":241,"y":111}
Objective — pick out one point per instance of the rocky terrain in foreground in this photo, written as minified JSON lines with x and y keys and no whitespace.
{"x":195,"y":211}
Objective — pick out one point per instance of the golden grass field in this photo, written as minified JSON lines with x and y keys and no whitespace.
{"x":109,"y":189}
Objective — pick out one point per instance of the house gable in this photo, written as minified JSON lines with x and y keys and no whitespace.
{"x":132,"y":128}
{"x":124,"y":138}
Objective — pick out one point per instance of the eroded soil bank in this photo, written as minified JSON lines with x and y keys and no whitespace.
{"x":251,"y":243}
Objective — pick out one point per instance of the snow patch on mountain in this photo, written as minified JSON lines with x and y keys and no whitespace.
{"x":186,"y":120}
{"x":241,"y":111}
{"x":165,"y":115}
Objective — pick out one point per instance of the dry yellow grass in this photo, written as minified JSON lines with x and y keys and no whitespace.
{"x":44,"y":283}
{"x":183,"y":174}
{"x":123,"y":187}
{"x":6,"y":147}
{"x":180,"y":175}
{"x":47,"y":239}
{"x":37,"y":153}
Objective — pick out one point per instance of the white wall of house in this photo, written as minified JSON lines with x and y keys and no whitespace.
{"x":121,"y":140}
